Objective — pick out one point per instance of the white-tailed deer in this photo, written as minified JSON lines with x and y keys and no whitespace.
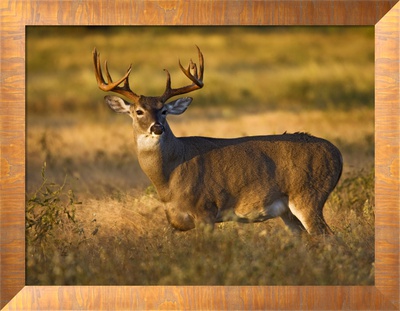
{"x":204,"y":180}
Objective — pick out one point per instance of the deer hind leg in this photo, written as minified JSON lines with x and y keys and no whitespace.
{"x":309,"y":213}
{"x":280,"y":208}
{"x":292,"y":222}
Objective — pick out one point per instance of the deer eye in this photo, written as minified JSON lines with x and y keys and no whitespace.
{"x":164,"y":112}
{"x":139,"y":112}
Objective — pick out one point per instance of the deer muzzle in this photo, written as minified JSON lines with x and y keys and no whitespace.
{"x":157,"y":128}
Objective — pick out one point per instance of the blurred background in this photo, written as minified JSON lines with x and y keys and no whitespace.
{"x":246,"y":67}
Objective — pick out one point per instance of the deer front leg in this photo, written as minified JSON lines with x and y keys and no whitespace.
{"x":180,"y":220}
{"x":200,"y":217}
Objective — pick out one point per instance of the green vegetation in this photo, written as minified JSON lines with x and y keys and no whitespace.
{"x":47,"y":208}
{"x":103,"y":224}
{"x":49,"y":212}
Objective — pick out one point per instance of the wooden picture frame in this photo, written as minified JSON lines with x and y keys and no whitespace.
{"x":15,"y":15}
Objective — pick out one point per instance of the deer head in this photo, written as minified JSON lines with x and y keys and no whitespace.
{"x":149,"y":112}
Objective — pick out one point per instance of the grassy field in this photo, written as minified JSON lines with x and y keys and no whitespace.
{"x":93,"y":216}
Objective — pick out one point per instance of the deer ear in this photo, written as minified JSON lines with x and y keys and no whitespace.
{"x":178,"y":106}
{"x":117,"y":104}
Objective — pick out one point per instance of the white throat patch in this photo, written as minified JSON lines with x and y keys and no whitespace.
{"x":147,"y":142}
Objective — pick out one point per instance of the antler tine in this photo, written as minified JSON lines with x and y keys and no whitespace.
{"x":110,"y":85}
{"x":193,"y":66}
{"x":168,"y":84}
{"x":107,"y":73}
{"x":195,"y":78}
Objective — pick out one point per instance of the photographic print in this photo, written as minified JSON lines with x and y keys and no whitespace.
{"x":100,"y":210}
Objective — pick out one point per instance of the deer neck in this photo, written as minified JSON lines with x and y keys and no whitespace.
{"x":158,"y":156}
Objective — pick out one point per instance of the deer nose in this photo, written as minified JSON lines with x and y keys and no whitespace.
{"x":157,"y":128}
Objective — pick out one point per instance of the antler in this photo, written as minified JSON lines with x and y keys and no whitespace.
{"x":195,"y":78}
{"x":110,"y":85}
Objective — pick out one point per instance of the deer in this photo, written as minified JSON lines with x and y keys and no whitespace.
{"x":202,"y":181}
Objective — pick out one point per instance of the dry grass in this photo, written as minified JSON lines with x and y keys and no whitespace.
{"x":128,"y":241}
{"x":121,"y":235}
